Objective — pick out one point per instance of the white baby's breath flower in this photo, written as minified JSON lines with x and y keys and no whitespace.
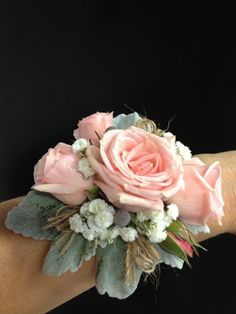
{"x":152,"y":215}
{"x":103,"y":234}
{"x":91,"y":223}
{"x":183,"y":151}
{"x":173,"y":211}
{"x":168,"y":134}
{"x":99,"y":221}
{"x":161,"y":225}
{"x":104,"y":219}
{"x":98,"y":205}
{"x":80,"y":145}
{"x":114,"y":232}
{"x":84,"y":209}
{"x":167,"y":220}
{"x":141,"y":217}
{"x":89,"y":234}
{"x":76,"y":223}
{"x":158,"y":216}
{"x":128,"y":234}
{"x":157,"y":236}
{"x":99,"y":214}
{"x":85,"y":168}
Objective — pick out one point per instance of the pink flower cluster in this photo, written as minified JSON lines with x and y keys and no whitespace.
{"x":135,"y":169}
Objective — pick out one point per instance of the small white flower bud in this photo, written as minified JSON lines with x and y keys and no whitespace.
{"x":168,"y":134}
{"x":167,"y":220}
{"x":85,"y":168}
{"x":160,"y":225}
{"x":91,"y":223}
{"x":152,"y":215}
{"x":173,"y":211}
{"x":183,"y":151}
{"x":76,"y":223}
{"x":104,"y":219}
{"x":156,"y":236}
{"x":98,"y":205}
{"x":84,"y":209}
{"x":80,"y":145}
{"x":128,"y":234}
{"x":114,"y":232}
{"x":89,"y":234}
{"x":103,"y":234}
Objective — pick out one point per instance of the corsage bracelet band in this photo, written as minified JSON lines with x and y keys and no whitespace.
{"x":126,"y":192}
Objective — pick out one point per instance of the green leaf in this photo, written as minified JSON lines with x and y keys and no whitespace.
{"x":180,"y":230}
{"x":195,"y":243}
{"x":193,"y":230}
{"x":92,"y":193}
{"x":172,"y":247}
{"x":177,"y":228}
{"x":110,"y":277}
{"x":124,"y":121}
{"x":29,"y":217}
{"x":93,"y":190}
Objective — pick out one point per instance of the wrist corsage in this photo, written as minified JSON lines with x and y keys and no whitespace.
{"x":126,"y":192}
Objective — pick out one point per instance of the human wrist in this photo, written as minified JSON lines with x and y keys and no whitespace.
{"x":228,"y":166}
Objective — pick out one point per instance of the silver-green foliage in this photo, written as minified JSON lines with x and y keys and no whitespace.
{"x":29,"y":217}
{"x":110,"y":277}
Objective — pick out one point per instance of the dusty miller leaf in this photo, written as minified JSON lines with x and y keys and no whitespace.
{"x":110,"y":277}
{"x":124,"y":121}
{"x":197,"y":229}
{"x":58,"y":261}
{"x":90,"y":248}
{"x":29,"y":217}
{"x":169,"y":259}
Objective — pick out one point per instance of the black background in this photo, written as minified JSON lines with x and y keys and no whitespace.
{"x":59,"y":63}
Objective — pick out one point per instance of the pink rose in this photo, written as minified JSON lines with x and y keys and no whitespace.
{"x":201,"y":199}
{"x":136,"y":169}
{"x":94,"y":126}
{"x":56,"y":173}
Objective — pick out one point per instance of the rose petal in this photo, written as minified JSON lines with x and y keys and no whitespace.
{"x":128,"y":201}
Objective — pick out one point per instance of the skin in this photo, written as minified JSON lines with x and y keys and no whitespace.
{"x":24,"y":286}
{"x":228,"y":165}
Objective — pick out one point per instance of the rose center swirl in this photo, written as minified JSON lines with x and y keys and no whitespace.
{"x":145,"y":163}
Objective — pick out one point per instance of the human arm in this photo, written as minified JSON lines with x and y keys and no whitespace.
{"x":23,"y":285}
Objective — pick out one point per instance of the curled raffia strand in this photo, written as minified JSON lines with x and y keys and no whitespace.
{"x":141,"y":254}
{"x":61,"y":220}
{"x":149,"y":126}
